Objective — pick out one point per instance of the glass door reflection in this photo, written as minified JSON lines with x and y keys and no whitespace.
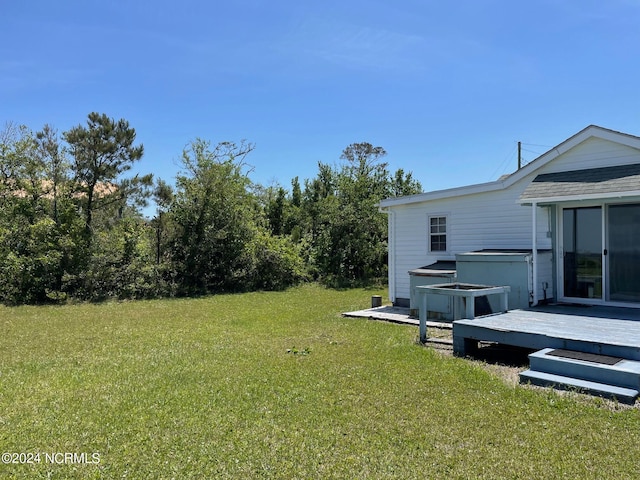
{"x":582,"y":244}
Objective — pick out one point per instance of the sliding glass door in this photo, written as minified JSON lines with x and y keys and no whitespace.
{"x":623,"y":253}
{"x":601,"y":253}
{"x":582,"y":247}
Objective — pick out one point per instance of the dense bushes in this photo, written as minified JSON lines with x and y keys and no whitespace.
{"x":71,"y":223}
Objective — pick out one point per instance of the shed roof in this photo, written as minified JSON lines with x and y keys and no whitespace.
{"x":620,"y":180}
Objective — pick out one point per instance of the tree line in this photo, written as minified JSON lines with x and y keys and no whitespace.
{"x":72,"y":223}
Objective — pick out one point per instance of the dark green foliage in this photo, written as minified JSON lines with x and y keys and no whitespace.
{"x":101,"y":152}
{"x":296,"y":192}
{"x":212,"y":216}
{"x":348,"y":233}
{"x":35,"y":228}
{"x":276,"y":262}
{"x":71,"y":226}
{"x":163,"y":197}
{"x":67,"y":228}
{"x":115,"y":241}
{"x":275,"y":212}
{"x":218,"y":240}
{"x":403,"y":184}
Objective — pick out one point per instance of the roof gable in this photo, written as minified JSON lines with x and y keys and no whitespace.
{"x":592,"y":131}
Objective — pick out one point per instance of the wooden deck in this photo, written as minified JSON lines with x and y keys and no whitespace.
{"x":401,"y":315}
{"x":601,"y":330}
{"x":386,"y":313}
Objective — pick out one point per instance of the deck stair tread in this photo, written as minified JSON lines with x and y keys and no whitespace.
{"x":624,"y":373}
{"x":622,"y":394}
{"x":587,"y":372}
{"x":586,"y":357}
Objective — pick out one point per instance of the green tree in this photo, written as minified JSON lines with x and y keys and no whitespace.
{"x":56,"y":166}
{"x":213,"y":216}
{"x":71,"y":225}
{"x":296,"y":192}
{"x":317,"y":199}
{"x":351,"y":247}
{"x":276,"y":211}
{"x":403,"y":184}
{"x":162,"y":196}
{"x":33,"y":245}
{"x":220,"y":241}
{"x":101,"y":152}
{"x":293,"y":215}
{"x":347,"y":233}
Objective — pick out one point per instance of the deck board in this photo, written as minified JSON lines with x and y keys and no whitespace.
{"x":395,"y":315}
{"x":387,"y":313}
{"x":602,"y":330}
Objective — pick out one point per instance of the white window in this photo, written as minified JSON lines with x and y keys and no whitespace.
{"x":438,"y":234}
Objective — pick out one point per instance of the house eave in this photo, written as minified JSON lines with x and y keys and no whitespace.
{"x":440,"y":194}
{"x":579,"y":198}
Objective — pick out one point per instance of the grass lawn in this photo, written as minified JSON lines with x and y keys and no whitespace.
{"x":278,"y":385}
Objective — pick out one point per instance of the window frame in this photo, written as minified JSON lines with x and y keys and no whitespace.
{"x":439,"y":233}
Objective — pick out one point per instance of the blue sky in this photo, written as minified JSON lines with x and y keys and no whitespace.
{"x":447,"y":88}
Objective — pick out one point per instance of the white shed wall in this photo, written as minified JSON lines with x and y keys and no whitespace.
{"x":474,"y":222}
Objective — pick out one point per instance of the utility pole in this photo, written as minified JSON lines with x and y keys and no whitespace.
{"x":519,"y":155}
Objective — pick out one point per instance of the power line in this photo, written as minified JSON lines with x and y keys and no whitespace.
{"x":537,"y":145}
{"x":501,"y":169}
{"x":503,"y":165}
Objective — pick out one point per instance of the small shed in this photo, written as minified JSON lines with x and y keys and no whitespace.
{"x":439,"y":272}
{"x":506,"y":267}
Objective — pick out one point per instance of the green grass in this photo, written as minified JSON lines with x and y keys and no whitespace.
{"x":279,"y":385}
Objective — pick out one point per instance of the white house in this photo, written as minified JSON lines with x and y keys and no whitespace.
{"x":571,"y":217}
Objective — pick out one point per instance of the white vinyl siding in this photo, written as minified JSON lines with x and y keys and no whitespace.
{"x":489,"y":216}
{"x":474,"y":222}
{"x":592,"y":153}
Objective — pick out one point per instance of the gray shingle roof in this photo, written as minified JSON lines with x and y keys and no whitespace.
{"x":621,"y":178}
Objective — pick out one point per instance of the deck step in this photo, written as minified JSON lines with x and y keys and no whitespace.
{"x":623,"y":395}
{"x":624,"y":373}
